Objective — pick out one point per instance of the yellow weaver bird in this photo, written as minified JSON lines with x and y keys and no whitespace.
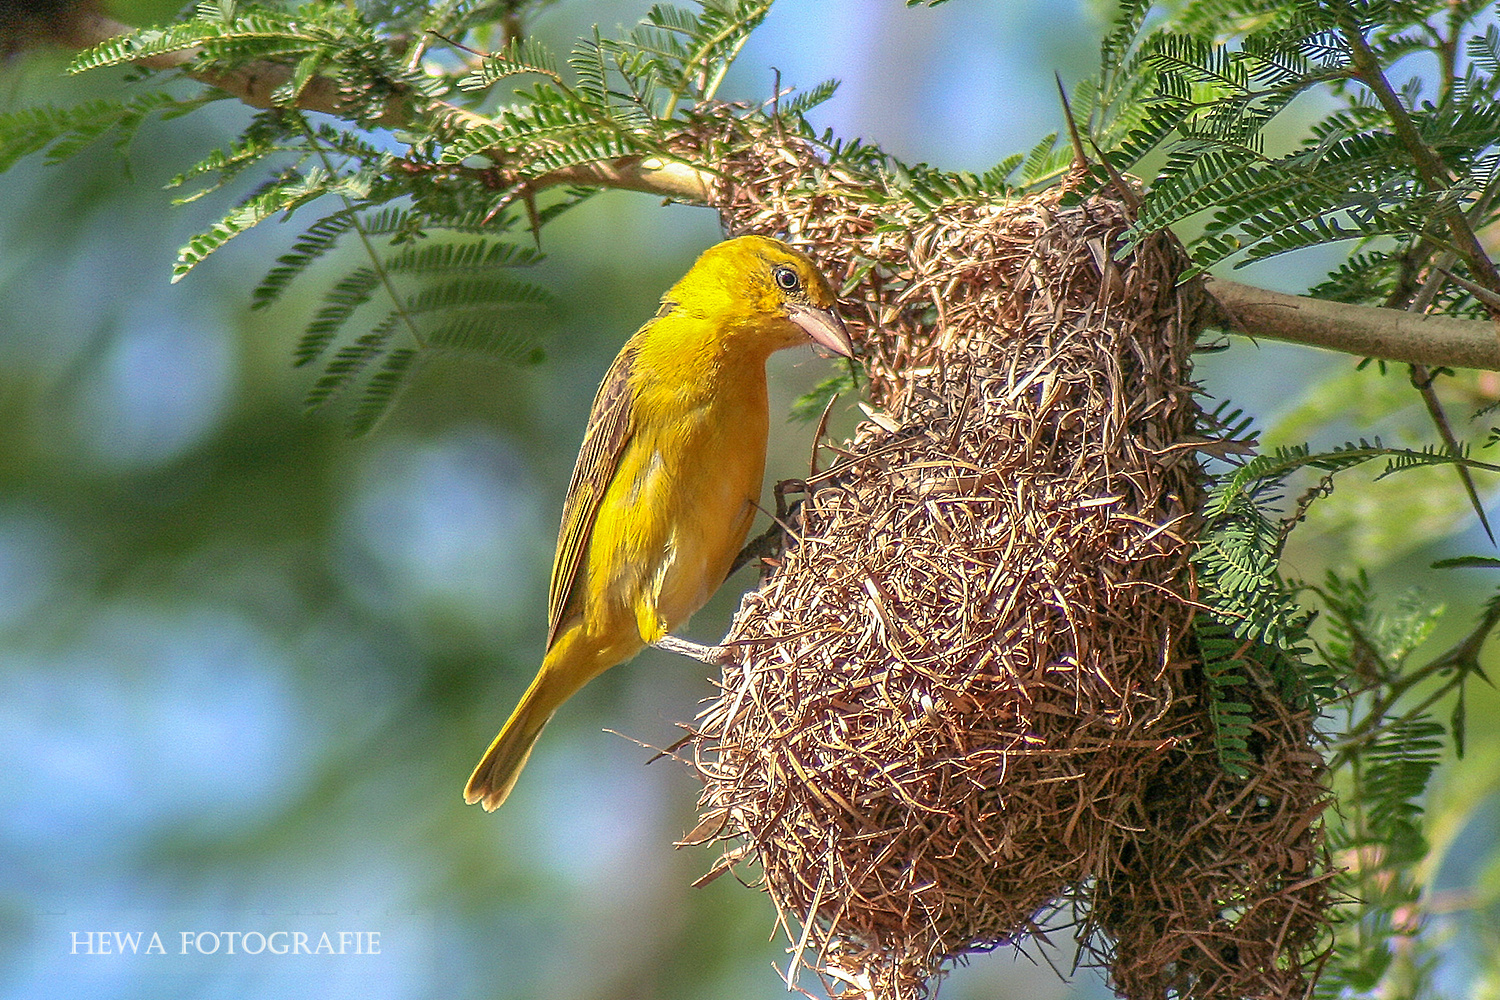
{"x":666,"y":483}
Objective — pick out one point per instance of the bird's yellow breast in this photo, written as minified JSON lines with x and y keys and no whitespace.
{"x":683,"y":497}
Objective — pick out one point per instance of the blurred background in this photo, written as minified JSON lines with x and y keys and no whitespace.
{"x":246,"y":663}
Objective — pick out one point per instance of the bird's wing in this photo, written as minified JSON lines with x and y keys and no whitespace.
{"x":604,"y":441}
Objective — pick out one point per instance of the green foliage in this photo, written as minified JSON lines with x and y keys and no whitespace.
{"x":520,"y":56}
{"x":811,"y":406}
{"x":449,"y":293}
{"x":1253,"y":629}
{"x":1385,"y":758}
{"x":63,"y":132}
{"x":458,"y":170}
{"x":1209,"y":83}
{"x":440,"y":223}
{"x":1238,"y":567}
{"x":623,"y":97}
{"x":331,"y":41}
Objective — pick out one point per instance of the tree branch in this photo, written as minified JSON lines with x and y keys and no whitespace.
{"x":651,"y":175}
{"x":1362,"y":331}
{"x":254,"y":84}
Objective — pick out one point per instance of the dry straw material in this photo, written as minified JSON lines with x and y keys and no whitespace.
{"x":965,"y":698}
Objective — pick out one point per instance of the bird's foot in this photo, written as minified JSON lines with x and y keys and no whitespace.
{"x":713,"y":655}
{"x":765,"y":547}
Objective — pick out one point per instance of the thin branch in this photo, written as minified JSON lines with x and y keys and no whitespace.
{"x":1434,"y":172}
{"x":1437,"y":177}
{"x":656,"y":175}
{"x":1423,"y":379}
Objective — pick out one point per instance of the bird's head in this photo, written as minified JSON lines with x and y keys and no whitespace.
{"x":776,"y":291}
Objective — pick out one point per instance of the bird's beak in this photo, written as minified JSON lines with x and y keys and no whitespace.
{"x":824,"y":326}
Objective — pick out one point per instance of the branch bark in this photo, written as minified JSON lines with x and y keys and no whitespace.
{"x":1363,"y":331}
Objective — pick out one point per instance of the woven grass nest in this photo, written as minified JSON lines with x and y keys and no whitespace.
{"x":965,"y":700}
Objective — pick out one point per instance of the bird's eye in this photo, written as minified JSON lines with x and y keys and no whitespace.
{"x":786,"y":279}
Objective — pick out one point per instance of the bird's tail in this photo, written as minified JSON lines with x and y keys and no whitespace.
{"x":496,"y":774}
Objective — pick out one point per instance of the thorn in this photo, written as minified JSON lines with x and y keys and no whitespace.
{"x":1422,"y":379}
{"x":1081,"y":160}
{"x":1481,"y":293}
{"x":457,"y":44}
{"x":533,"y":218}
{"x":1080,"y":157}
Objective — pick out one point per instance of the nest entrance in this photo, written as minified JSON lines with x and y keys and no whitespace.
{"x":967,"y":696}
